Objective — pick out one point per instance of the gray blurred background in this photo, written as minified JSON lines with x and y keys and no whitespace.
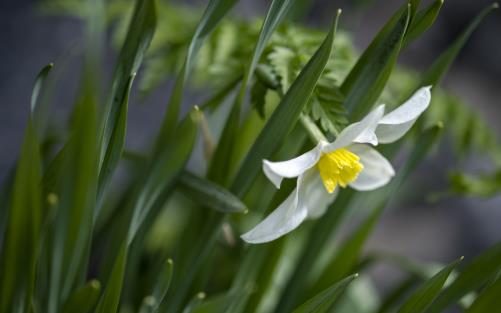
{"x":430,"y":232}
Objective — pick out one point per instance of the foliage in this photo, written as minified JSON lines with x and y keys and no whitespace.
{"x":88,"y":226}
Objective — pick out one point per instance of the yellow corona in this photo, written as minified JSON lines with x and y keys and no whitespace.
{"x":338,"y":167}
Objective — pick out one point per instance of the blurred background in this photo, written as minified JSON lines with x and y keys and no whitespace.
{"x":438,"y":231}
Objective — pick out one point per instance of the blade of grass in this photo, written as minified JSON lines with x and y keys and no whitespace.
{"x":209,"y":194}
{"x":17,"y":277}
{"x":84,"y":299}
{"x":420,"y":299}
{"x":223,"y":154}
{"x":474,"y":275}
{"x":435,"y":73}
{"x":366,"y":80}
{"x":139,"y":35}
{"x":322,"y":302}
{"x":81,"y":188}
{"x":422,"y":21}
{"x":38,"y":112}
{"x":348,"y":254}
{"x":487,"y":300}
{"x":214,"y":12}
{"x":116,"y":144}
{"x":166,"y":167}
{"x":108,"y":303}
{"x":163,"y":283}
{"x":77,"y":174}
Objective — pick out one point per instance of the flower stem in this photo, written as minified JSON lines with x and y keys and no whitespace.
{"x":311,"y":128}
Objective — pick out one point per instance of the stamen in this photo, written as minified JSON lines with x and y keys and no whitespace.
{"x":338,"y":167}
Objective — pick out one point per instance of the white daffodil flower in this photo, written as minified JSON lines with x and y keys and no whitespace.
{"x":348,"y":161}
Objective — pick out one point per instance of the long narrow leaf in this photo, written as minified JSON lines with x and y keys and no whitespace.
{"x":285,"y":115}
{"x":209,"y":194}
{"x":423,"y":20}
{"x":17,"y":276}
{"x":487,"y":300}
{"x":348,"y":254}
{"x":223,"y":154}
{"x":435,"y":73}
{"x":165,"y":168}
{"x":215,"y":11}
{"x":473,"y":276}
{"x":366,"y":80}
{"x":84,"y":299}
{"x":110,"y":299}
{"x":39,"y":112}
{"x":322,"y":302}
{"x":428,"y":291}
{"x":141,"y":29}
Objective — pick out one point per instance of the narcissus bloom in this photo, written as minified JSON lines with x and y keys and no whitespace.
{"x":348,"y":161}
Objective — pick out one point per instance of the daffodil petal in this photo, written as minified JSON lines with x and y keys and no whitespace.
{"x":377,"y":170}
{"x":287,"y":217}
{"x":276,"y":171}
{"x":395,"y":124}
{"x":361,"y":132}
{"x":317,"y":199}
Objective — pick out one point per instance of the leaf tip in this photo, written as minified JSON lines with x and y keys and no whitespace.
{"x":149,"y":301}
{"x":95,"y":284}
{"x":52,"y":199}
{"x":170,"y":262}
{"x":201,"y":295}
{"x":495,"y":5}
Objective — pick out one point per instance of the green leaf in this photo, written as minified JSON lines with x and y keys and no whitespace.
{"x":423,"y":20}
{"x":84,"y":299}
{"x":159,"y":178}
{"x":487,"y":300}
{"x":474,"y":275}
{"x":285,"y":115}
{"x":116,"y":143}
{"x":79,"y":194}
{"x":209,"y":194}
{"x":37,"y":112}
{"x":195,"y":302}
{"x":323,"y":301}
{"x":148,"y":305}
{"x":108,"y":303}
{"x":434,"y":74}
{"x":428,"y":291}
{"x":225,"y":147}
{"x":367,"y":79}
{"x":347,"y":257}
{"x":163,"y":282}
{"x":21,"y":244}
{"x":141,"y":29}
{"x":214,"y":12}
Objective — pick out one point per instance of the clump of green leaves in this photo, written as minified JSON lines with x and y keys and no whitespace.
{"x":75,"y":236}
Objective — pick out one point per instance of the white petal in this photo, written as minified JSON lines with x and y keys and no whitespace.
{"x":276,"y":171}
{"x":287,"y":217}
{"x":361,"y":132}
{"x":395,"y":124}
{"x":317,"y":198}
{"x":377,"y":170}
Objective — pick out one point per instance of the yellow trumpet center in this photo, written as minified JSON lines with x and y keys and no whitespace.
{"x":338,"y":167}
